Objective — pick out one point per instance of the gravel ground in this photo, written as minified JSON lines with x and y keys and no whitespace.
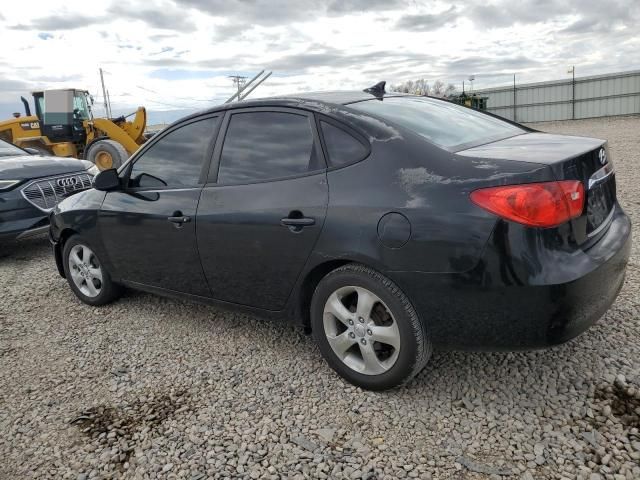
{"x":153,"y":388}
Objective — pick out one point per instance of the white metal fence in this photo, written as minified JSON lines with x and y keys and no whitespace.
{"x":584,"y":97}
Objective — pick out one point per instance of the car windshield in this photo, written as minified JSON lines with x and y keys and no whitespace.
{"x":8,"y":150}
{"x":445,"y":124}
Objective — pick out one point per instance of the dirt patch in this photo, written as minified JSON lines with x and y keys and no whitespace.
{"x":116,"y":426}
{"x":624,"y":402}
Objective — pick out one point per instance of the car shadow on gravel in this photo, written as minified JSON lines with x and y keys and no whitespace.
{"x":528,"y":380}
{"x":24,"y":250}
{"x":484,"y":371}
{"x":445,"y":372}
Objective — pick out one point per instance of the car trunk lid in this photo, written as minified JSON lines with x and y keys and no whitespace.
{"x":570,"y":158}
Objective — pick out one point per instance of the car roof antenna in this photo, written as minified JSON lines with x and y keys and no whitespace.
{"x":377,"y":90}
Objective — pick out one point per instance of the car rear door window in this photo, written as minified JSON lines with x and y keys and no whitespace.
{"x":176,"y":159}
{"x":263,"y":146}
{"x":342,"y":147}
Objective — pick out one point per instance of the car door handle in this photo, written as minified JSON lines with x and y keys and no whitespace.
{"x":179,"y":219}
{"x":298,"y":222}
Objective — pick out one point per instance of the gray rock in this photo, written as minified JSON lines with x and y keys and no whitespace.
{"x":305,"y":443}
{"x":538,"y":449}
{"x":326,"y":434}
{"x":477,"y":467}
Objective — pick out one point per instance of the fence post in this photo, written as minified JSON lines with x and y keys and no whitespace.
{"x":515,"y":106}
{"x":573,"y":100}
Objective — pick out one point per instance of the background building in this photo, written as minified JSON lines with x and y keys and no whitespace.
{"x":582,"y":97}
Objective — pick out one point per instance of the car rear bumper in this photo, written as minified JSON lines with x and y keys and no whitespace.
{"x":493,"y":308}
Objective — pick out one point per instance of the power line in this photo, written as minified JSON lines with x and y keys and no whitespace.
{"x":185,"y":106}
{"x":168,"y":104}
{"x":179,"y":98}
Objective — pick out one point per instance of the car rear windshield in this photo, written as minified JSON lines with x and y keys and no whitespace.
{"x":443,"y":123}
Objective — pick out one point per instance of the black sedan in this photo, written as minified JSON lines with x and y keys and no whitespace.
{"x":31,"y":185}
{"x":384,"y":223}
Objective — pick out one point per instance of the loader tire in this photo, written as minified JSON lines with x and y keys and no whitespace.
{"x":106,"y":154}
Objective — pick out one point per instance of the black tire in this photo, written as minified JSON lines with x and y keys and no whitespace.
{"x":113,"y":149}
{"x":109,"y":291}
{"x":415,"y":344}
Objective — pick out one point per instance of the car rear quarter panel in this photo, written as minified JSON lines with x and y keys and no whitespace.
{"x":427,"y":185}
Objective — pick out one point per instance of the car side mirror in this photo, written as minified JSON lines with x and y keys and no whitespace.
{"x":33,"y":151}
{"x":149,"y":181}
{"x":107,"y":180}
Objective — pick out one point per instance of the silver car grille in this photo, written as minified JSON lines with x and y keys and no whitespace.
{"x":47,"y":192}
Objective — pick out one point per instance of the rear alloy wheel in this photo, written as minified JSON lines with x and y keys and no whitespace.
{"x":367,"y":329}
{"x":86,"y":275}
{"x":367,"y":340}
{"x":106,"y":154}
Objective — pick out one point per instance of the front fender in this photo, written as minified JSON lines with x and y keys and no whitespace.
{"x":77,"y":214}
{"x":57,"y":254}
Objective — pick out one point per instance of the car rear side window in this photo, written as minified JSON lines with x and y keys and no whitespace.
{"x":342,"y":147}
{"x":443,"y":123}
{"x":176,"y":159}
{"x":263,"y":146}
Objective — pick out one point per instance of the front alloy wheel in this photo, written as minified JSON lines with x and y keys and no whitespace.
{"x":85,"y":270}
{"x":86,"y":274}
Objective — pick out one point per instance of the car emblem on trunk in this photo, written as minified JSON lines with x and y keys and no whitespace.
{"x":602,"y":155}
{"x":67,"y":182}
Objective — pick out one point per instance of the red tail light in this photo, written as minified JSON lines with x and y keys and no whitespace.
{"x":545,"y":204}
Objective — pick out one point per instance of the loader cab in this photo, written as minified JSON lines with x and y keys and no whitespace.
{"x":62,"y":113}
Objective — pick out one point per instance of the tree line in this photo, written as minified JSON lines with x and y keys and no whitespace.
{"x":422,"y":87}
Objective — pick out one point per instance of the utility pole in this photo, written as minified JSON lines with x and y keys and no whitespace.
{"x":242,"y":93}
{"x":238,"y":81}
{"x":109,"y":103}
{"x":254,"y":86}
{"x":105,"y":97}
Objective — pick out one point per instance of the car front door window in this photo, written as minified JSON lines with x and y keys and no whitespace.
{"x":175,"y":161}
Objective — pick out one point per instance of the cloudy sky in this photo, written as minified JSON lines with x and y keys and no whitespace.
{"x":175,"y":56}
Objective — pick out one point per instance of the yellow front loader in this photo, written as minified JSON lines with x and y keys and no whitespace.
{"x":64,"y":126}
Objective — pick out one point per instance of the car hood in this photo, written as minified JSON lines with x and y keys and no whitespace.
{"x":544,"y":148}
{"x":26,"y":167}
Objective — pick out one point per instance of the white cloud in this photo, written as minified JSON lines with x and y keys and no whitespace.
{"x":177,"y":55}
